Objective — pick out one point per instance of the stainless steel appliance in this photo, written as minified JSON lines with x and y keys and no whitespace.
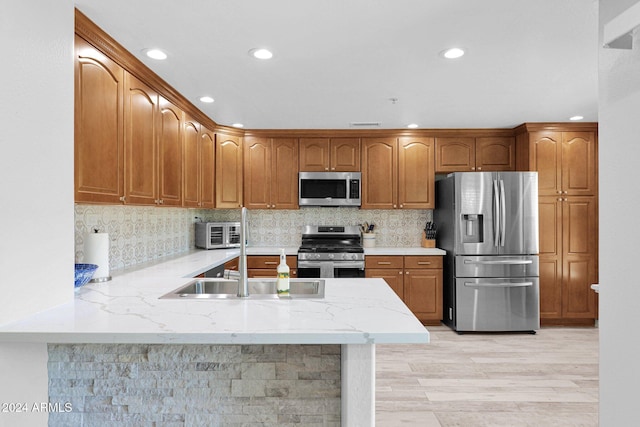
{"x":330,"y":251}
{"x":329,"y":188}
{"x":215,"y":235}
{"x":488,"y":224}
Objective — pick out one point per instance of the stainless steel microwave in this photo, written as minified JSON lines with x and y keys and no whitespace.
{"x":214,"y":235}
{"x":329,"y":188}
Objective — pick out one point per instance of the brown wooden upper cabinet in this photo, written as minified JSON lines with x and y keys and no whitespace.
{"x":207,"y":168}
{"x":329,"y":154}
{"x":397,"y":173}
{"x":228,"y":171}
{"x":565,"y":161}
{"x":140,"y":141}
{"x":198,"y":182}
{"x":468,"y":154}
{"x":270,"y":173}
{"x":99,"y":134}
{"x":170,"y":154}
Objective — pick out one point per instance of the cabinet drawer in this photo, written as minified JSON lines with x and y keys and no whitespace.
{"x":270,"y":261}
{"x":379,"y":261}
{"x":232,"y":264}
{"x":422,"y":262}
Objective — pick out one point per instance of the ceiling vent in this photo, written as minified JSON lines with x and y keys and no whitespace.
{"x":364,"y":124}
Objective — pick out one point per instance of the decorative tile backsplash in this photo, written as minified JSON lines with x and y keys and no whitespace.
{"x":139,"y":234}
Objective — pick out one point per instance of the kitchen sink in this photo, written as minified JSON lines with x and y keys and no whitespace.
{"x":215,"y":288}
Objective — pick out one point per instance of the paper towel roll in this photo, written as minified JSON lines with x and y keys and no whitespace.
{"x":96,"y":251}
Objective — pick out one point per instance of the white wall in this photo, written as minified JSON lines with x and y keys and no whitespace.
{"x":36,"y":185}
{"x":36,"y":165}
{"x":619,"y":130}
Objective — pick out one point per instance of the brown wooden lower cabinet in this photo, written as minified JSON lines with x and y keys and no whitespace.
{"x":265,"y":266}
{"x":568,"y":259}
{"x":416,"y":279}
{"x":233,"y":264}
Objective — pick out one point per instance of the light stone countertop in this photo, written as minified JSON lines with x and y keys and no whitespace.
{"x":403,"y":251}
{"x":127,"y":310}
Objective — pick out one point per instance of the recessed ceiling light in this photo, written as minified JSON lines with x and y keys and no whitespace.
{"x":237,"y":125}
{"x":452,"y":53}
{"x":206,"y":99}
{"x":155,"y":54}
{"x":412,"y":126}
{"x":261,"y":53}
{"x":576,"y":118}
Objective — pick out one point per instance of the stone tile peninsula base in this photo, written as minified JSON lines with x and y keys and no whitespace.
{"x":200,"y":384}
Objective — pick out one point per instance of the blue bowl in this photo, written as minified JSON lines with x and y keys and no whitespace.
{"x":84,"y":273}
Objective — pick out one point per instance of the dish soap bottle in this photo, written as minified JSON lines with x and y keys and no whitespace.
{"x":282,"y":283}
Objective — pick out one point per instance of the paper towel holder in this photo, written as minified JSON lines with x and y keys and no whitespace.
{"x":104,"y":278}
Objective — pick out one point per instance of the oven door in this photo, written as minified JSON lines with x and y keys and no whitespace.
{"x":330,"y":269}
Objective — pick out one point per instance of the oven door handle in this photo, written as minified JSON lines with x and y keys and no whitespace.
{"x":335,"y":264}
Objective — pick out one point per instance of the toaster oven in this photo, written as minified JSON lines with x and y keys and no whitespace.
{"x":215,"y":235}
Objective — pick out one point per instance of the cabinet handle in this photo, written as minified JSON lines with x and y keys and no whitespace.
{"x":564,"y":192}
{"x":333,"y":169}
{"x":473,"y":168}
{"x":406,"y":272}
{"x":122,"y":198}
{"x":394,"y":206}
{"x":270,"y":263}
{"x":326,"y":169}
{"x":384,"y":262}
{"x":559,"y":192}
{"x":424,"y":262}
{"x":480,"y":169}
{"x":401,"y":206}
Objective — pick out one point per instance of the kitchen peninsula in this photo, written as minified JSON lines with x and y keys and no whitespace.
{"x":119,"y":353}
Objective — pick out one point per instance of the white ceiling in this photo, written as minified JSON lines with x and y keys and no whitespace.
{"x":341,"y":61}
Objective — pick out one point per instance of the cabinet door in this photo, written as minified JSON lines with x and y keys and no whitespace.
{"x":257,"y":173}
{"x":140,"y":132}
{"x":314,"y":154}
{"x":344,"y":154}
{"x":99,"y":140}
{"x":416,"y":176}
{"x":550,"y":235}
{"x":284,"y":173}
{"x":579,"y":173}
{"x":393,"y":276}
{"x":579,"y":249}
{"x":379,"y":173}
{"x":545,"y":157}
{"x":228,"y":171}
{"x":170,"y":154}
{"x":191,"y":165}
{"x":207,"y":168}
{"x":455,"y":154}
{"x":496,"y":153}
{"x":423,"y":293}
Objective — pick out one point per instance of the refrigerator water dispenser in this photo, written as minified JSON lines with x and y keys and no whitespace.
{"x":473,"y":228}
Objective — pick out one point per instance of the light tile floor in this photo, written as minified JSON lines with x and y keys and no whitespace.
{"x":476,"y":380}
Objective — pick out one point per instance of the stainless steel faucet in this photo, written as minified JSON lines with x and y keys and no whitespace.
{"x":243,"y":280}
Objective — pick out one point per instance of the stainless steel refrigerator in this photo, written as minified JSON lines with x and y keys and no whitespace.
{"x":488,"y":224}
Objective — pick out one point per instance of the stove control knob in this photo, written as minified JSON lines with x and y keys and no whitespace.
{"x":331,"y":256}
{"x":316,"y":256}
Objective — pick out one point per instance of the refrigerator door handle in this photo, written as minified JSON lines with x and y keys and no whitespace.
{"x":501,"y":262}
{"x":498,"y":285}
{"x":503,"y":214}
{"x":496,"y":214}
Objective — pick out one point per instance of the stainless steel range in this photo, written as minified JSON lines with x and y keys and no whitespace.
{"x":331,"y":251}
